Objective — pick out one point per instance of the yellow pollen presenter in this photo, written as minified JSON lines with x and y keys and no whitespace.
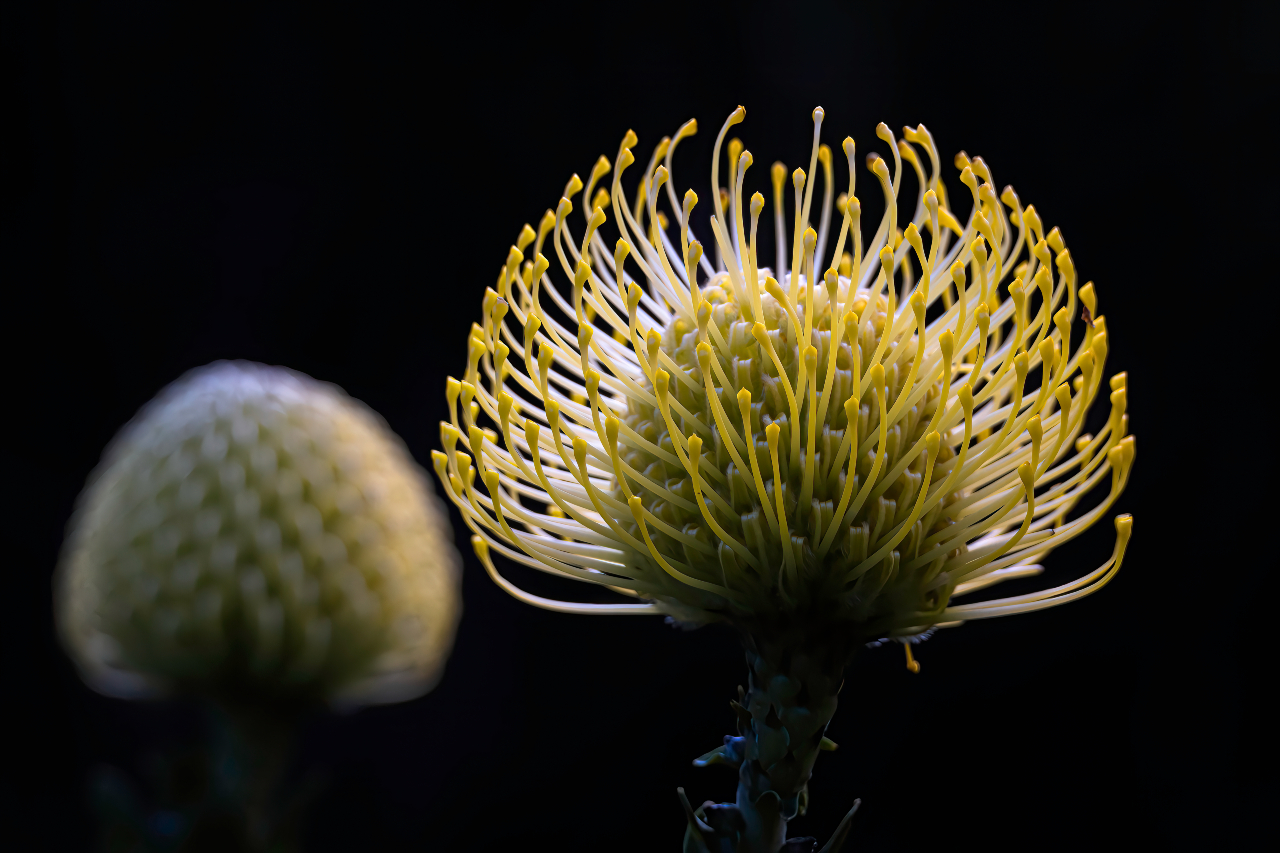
{"x":831,"y":446}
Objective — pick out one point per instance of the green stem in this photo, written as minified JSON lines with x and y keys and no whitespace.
{"x":782,"y":720}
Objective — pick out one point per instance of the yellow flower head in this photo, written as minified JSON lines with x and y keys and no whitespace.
{"x":852,"y":437}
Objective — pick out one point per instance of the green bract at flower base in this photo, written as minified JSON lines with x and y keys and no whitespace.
{"x":797,"y":451}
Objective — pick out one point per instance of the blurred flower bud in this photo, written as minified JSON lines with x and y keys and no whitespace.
{"x":255,"y":533}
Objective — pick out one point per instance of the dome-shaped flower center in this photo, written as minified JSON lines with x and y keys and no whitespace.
{"x":820,"y":538}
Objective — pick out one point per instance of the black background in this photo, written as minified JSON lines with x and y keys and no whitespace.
{"x":332,"y":188}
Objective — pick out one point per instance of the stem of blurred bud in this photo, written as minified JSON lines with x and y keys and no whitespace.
{"x":253,"y":744}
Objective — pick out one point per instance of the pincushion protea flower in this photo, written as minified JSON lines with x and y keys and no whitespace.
{"x":256,"y":534}
{"x":822,"y":453}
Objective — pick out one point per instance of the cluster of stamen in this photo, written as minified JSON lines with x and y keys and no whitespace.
{"x":755,"y":443}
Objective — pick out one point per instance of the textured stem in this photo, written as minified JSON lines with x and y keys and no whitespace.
{"x":782,"y":720}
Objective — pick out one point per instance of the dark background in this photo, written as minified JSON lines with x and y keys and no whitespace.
{"x":332,"y":188}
